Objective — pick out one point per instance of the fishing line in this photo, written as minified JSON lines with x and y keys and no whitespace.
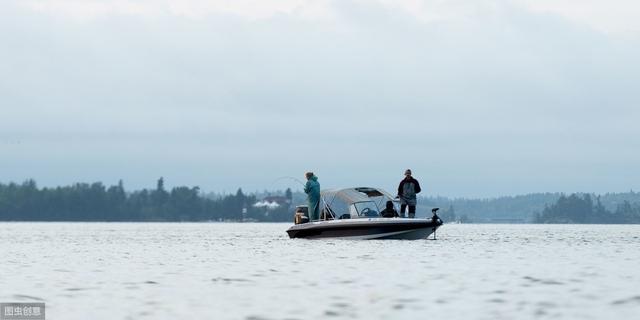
{"x":290,"y":178}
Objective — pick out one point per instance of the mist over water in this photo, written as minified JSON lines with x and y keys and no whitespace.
{"x":254,"y":271}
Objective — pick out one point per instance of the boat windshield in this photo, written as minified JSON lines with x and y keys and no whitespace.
{"x":366,"y":209}
{"x":353,"y":203}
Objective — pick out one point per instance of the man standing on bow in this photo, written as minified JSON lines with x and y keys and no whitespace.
{"x":407,"y":191}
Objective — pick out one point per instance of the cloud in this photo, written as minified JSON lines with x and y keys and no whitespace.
{"x":480,"y":97}
{"x":617,"y":16}
{"x":612,"y":17}
{"x":194,"y":9}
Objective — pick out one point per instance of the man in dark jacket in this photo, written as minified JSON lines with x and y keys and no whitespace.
{"x":407,"y":191}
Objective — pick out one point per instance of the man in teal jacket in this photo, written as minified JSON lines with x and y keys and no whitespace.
{"x":312,"y":189}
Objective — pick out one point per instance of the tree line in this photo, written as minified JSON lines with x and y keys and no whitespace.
{"x":97,"y":202}
{"x":520,"y":208}
{"x":583,"y":209}
{"x":523,"y":208}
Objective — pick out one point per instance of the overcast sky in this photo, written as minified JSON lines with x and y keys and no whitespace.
{"x":479,"y":97}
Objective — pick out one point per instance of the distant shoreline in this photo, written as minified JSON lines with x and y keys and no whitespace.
{"x":96,"y":202}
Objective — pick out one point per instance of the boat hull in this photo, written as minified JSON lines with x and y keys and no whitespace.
{"x":372,"y":228}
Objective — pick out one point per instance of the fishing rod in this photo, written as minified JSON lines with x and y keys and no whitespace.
{"x":326,"y":205}
{"x":290,"y":178}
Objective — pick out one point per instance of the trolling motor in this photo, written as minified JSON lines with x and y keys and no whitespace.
{"x":435,"y":215}
{"x":436,"y":219}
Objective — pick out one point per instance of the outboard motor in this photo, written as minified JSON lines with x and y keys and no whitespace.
{"x":301,"y":215}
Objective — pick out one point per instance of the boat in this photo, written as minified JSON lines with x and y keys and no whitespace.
{"x":354,"y":213}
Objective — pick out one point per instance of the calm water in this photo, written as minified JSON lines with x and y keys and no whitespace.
{"x":254,"y":271}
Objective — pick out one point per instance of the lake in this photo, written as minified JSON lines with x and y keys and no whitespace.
{"x":254,"y":271}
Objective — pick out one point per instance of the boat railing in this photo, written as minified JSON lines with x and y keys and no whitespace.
{"x":326,"y":209}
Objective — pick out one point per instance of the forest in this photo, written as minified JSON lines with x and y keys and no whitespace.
{"x":583,"y":209}
{"x":535,"y":207}
{"x":98,"y":202}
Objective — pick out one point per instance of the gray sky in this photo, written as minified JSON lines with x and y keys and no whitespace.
{"x":479,"y":97}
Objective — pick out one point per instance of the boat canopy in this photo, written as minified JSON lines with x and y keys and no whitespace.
{"x":352,"y":203}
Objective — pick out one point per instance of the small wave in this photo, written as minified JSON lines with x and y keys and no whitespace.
{"x":79,"y":289}
{"x":634,"y":299}
{"x":331,"y":313}
{"x":340,"y":305}
{"x":228,"y":280}
{"x":543,"y":281}
{"x":256,"y":318}
{"x":26,"y":297}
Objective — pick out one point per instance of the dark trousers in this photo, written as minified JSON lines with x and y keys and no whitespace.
{"x":412,"y":210}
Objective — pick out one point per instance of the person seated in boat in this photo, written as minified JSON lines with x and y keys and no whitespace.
{"x":389,"y":211}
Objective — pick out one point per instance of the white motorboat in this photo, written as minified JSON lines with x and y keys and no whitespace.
{"x":354,"y":213}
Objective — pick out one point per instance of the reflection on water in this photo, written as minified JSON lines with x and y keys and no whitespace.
{"x":254,"y":271}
